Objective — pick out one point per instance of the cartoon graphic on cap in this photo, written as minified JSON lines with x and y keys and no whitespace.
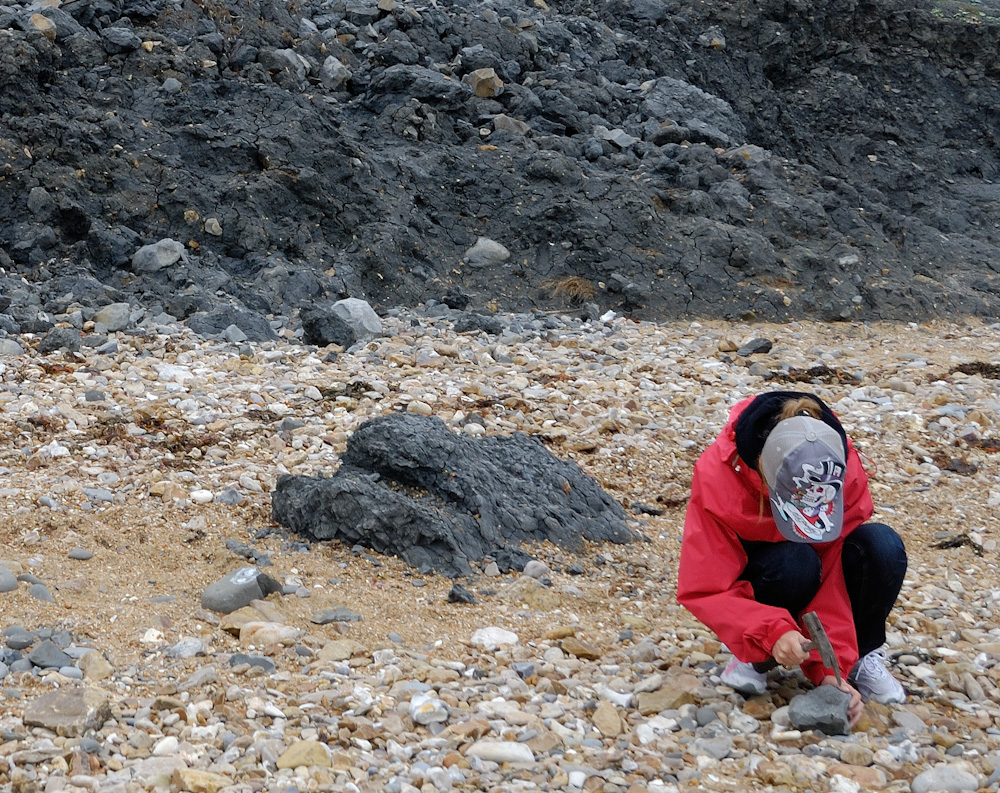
{"x":810,"y":507}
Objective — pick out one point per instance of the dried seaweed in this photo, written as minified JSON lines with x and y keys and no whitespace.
{"x":822,"y":374}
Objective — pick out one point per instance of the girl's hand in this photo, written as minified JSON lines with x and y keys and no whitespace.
{"x":788,"y":651}
{"x":855,"y":706}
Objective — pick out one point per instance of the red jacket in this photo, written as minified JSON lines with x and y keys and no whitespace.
{"x":725,"y":507}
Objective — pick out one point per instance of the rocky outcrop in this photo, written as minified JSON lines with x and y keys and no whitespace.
{"x":410,"y":486}
{"x":233,"y":163}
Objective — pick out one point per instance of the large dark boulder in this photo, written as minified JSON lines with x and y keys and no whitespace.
{"x":410,"y":486}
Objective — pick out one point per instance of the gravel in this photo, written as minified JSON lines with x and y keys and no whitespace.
{"x":589,"y":677}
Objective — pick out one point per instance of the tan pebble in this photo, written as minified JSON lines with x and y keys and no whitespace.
{"x":772,"y":773}
{"x":454,"y":759}
{"x":44,"y":25}
{"x":340,"y":650}
{"x":484,"y":83}
{"x":580,"y":649}
{"x":606,"y":720}
{"x":649,"y":703}
{"x":868,"y":778}
{"x":305,"y":753}
{"x":192,"y":780}
{"x":532,"y":593}
{"x":262,"y":634}
{"x":854,"y":754}
{"x":635,"y":622}
{"x":172,"y":491}
{"x":232,"y":623}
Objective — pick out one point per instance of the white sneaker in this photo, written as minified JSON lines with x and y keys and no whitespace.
{"x":744,"y":678}
{"x":874,"y":681}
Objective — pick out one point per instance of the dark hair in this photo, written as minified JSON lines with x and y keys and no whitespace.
{"x":766,"y":410}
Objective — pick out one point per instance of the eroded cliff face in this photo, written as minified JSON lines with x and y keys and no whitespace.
{"x":764,"y":160}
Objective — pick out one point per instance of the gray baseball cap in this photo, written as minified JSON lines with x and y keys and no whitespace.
{"x":803,"y":465}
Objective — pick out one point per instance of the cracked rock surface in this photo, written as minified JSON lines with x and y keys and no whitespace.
{"x":737,"y":160}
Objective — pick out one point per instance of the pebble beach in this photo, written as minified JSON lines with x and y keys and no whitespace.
{"x":136,"y":470}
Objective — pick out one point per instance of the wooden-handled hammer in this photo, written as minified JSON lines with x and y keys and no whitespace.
{"x":820,"y":642}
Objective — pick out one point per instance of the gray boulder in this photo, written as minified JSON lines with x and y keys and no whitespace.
{"x":360,"y":316}
{"x":419,"y":82}
{"x":114,"y":317}
{"x":823,"y":709}
{"x":8,"y":581}
{"x":346,"y":322}
{"x":159,"y":255}
{"x":238,"y":589}
{"x":712,"y":118}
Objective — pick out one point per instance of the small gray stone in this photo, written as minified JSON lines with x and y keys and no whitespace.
{"x":706,"y":715}
{"x":824,"y":709}
{"x":716,"y":748}
{"x":159,"y":255}
{"x":171,"y":85}
{"x":71,"y":672}
{"x":360,"y":316}
{"x":186,"y":648}
{"x":755,"y":346}
{"x":486,"y":253}
{"x":910,"y":722}
{"x":90,"y":746}
{"x":261,"y":661}
{"x":536,"y":569}
{"x":10,"y":347}
{"x":98,"y":495}
{"x":230,"y":498}
{"x":47,"y":655}
{"x":114,"y":316}
{"x":81,"y":554}
{"x":238,"y":589}
{"x":116,"y":40}
{"x":334,"y":73}
{"x":17,"y":638}
{"x":339,"y":614}
{"x":41,"y":592}
{"x":8,"y":581}
{"x":459,"y":594}
{"x":234,"y":334}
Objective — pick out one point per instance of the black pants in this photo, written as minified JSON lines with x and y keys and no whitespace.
{"x":787,"y":574}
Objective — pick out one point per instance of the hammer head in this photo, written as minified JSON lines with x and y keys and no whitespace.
{"x":822,"y":642}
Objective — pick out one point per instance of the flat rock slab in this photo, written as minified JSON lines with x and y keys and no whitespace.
{"x":69,"y":712}
{"x":410,"y":486}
